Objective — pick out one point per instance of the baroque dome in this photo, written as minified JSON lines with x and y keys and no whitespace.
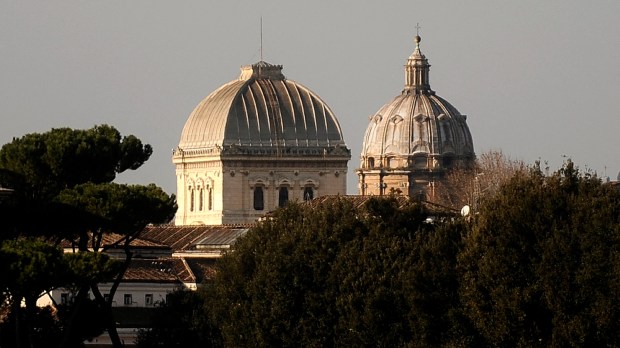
{"x":261,"y":109}
{"x":417,"y":123}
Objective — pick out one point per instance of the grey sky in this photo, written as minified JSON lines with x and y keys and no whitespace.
{"x":537,"y":79}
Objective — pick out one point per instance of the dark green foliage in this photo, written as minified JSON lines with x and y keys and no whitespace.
{"x":46,"y":328}
{"x":541,"y":264}
{"x":45,"y":164}
{"x":127,"y":208}
{"x":537,"y":266}
{"x":62,"y":190}
{"x":67,"y":162}
{"x":180,"y":322}
{"x":29,"y":267}
{"x":336,"y":275}
{"x":84,"y":269}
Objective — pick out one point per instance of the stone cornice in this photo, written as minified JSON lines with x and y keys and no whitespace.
{"x":235,"y":151}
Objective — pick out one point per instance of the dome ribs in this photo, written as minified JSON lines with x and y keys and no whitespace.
{"x":386,"y":138}
{"x":216,"y":124}
{"x":309,"y":116}
{"x":410,"y":124}
{"x":332,"y":127}
{"x":433,"y":133}
{"x":299,"y":113}
{"x":204,"y":125}
{"x":272,"y":112}
{"x":243,"y":120}
{"x":298,"y":126}
{"x":263,"y":116}
{"x":253,"y":117}
{"x":238,"y":126}
{"x":262,"y":109}
{"x":319,"y":121}
{"x":287,"y":117}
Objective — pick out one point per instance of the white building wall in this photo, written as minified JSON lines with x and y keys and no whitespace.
{"x":233,"y":181}
{"x":137,"y":293}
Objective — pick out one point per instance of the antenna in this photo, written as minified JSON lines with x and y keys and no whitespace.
{"x":417,"y":29}
{"x":261,"y":38}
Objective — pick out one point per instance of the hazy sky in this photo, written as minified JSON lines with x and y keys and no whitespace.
{"x":537,"y":79}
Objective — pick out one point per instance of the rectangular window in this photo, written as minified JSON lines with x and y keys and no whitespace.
{"x":127,"y":300}
{"x":308,"y":193}
{"x":148,"y":299}
{"x":259,"y":202}
{"x":283,"y":196}
{"x":64,"y":298}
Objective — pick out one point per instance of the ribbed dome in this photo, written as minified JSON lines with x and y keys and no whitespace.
{"x":261,"y":109}
{"x":417,"y":122}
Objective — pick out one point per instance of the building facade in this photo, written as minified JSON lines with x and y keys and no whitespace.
{"x":254,"y":144}
{"x":414,"y":140}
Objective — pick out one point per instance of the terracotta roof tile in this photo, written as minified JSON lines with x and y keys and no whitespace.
{"x":111,"y":238}
{"x":163,"y":270}
{"x":188,"y":238}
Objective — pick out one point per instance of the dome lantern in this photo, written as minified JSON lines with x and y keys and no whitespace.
{"x":417,"y":70}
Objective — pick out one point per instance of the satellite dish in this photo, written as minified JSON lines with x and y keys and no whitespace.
{"x":465,"y":210}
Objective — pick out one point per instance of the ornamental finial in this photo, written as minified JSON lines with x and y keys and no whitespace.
{"x":417,"y":35}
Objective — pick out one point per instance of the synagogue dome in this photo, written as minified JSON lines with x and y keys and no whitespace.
{"x":417,"y":123}
{"x":261,"y":109}
{"x":255,"y":144}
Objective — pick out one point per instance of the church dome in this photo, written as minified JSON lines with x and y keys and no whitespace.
{"x":417,"y":124}
{"x":261,"y":109}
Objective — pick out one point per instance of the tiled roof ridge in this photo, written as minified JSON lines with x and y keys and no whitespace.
{"x":171,"y":225}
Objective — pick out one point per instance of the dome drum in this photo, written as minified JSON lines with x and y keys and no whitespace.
{"x":421,"y":161}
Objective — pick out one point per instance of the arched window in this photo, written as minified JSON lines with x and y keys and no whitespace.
{"x":371,"y":162}
{"x":308,"y":193}
{"x":191,"y":199}
{"x":282,"y":196}
{"x":210,"y":198}
{"x":259,"y":199}
{"x":201,"y":199}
